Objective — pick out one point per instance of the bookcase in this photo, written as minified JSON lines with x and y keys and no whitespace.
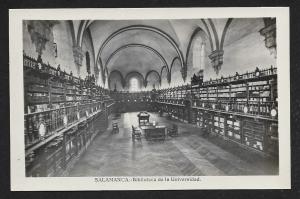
{"x":242,"y":108}
{"x":59,"y":112}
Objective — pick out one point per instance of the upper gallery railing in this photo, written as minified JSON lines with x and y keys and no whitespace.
{"x":253,"y":93}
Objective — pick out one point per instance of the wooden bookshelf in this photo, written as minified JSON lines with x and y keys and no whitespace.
{"x":60,"y":111}
{"x":241,"y":108}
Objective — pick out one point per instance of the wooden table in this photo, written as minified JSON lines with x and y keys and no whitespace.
{"x":154,"y":132}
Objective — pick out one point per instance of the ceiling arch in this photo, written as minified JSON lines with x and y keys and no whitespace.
{"x":150,"y":72}
{"x":209,"y":34}
{"x":171,"y":68}
{"x":136,"y":46}
{"x":83,"y":25}
{"x":164,"y":68}
{"x":215,"y":30}
{"x":70,"y":22}
{"x":165,"y":38}
{"x":238,"y":28}
{"x":196,"y":32}
{"x":137,"y":75}
{"x":224,"y":32}
{"x":173,"y":61}
{"x":135,"y":59}
{"x":146,"y":28}
{"x":118,"y":73}
{"x":212,"y":25}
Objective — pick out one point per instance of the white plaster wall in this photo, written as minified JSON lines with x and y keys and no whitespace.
{"x":152,"y":79}
{"x":176,"y":76}
{"x":87,"y":47}
{"x":62,"y":37}
{"x":164,"y":79}
{"x":115,"y":80}
{"x":241,"y":56}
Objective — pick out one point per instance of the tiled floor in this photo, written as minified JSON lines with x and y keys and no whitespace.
{"x":189,"y":154}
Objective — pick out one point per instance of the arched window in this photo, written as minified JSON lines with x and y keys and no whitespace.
{"x":198,"y":54}
{"x":134,"y":84}
{"x":202,"y":56}
{"x":88,"y":66}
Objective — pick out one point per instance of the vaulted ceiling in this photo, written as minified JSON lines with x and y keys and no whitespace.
{"x":145,"y":45}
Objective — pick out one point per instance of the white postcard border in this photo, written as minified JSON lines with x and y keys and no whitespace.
{"x":20,"y":183}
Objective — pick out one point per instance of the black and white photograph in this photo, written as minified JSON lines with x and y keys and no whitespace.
{"x":144,"y":99}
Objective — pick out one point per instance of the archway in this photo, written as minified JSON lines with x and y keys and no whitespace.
{"x":116,"y":80}
{"x":175,"y":72}
{"x":197,"y":53}
{"x":137,"y":46}
{"x":164,"y":74}
{"x":153,"y":80}
{"x":145,"y":28}
{"x":138,"y":81}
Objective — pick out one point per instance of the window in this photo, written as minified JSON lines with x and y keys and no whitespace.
{"x":202,"y":56}
{"x":198,"y":54}
{"x":134,"y":84}
{"x":88,"y":66}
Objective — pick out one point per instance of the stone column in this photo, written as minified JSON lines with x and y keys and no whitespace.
{"x":184,"y":72}
{"x":145,"y":82}
{"x":78,"y":56}
{"x":269,"y":32}
{"x":216,"y":58}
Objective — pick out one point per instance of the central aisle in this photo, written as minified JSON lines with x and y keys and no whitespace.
{"x":188,"y":154}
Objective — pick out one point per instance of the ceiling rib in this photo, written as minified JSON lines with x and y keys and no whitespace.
{"x":146,"y":28}
{"x":136,"y":46}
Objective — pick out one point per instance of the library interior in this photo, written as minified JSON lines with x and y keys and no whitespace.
{"x":178,"y":97}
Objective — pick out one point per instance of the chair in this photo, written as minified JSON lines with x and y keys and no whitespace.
{"x":136,"y":134}
{"x":173,"y":131}
{"x":170,"y":115}
{"x":161,"y":113}
{"x":115,"y":128}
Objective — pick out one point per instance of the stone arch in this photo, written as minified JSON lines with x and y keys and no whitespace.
{"x":176,"y":73}
{"x":134,"y":74}
{"x":119,"y":76}
{"x":82,"y":27}
{"x":136,"y":46}
{"x":197,"y":34}
{"x":164,"y":75}
{"x":149,"y":73}
{"x":213,"y":28}
{"x":70,"y":22}
{"x":147,"y":28}
{"x":173,"y":61}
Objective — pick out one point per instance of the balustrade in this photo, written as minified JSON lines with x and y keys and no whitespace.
{"x":252,"y":96}
{"x":53,"y":120}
